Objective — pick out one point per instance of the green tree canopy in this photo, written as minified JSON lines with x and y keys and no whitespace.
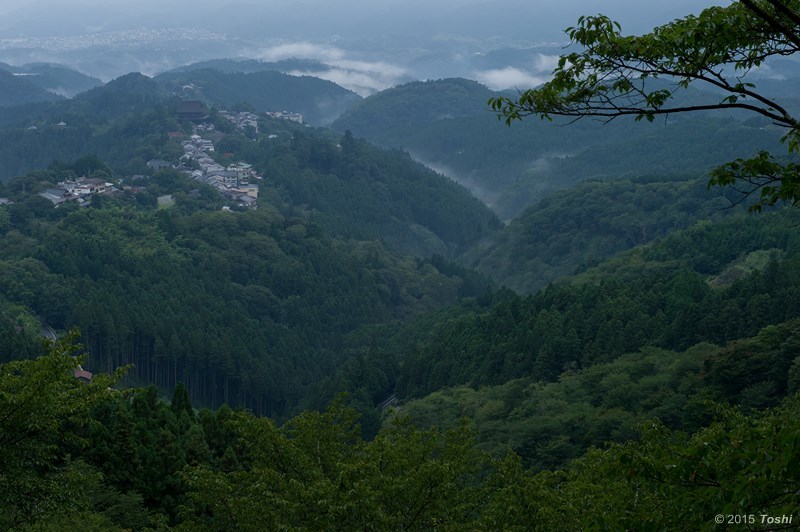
{"x":41,"y":402}
{"x":614,"y":75}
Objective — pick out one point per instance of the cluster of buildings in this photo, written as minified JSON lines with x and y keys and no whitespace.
{"x":242,"y":120}
{"x":286,"y":115}
{"x":78,"y":190}
{"x":235,"y":182}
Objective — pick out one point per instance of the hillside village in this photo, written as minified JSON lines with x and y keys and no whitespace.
{"x":237,"y":182}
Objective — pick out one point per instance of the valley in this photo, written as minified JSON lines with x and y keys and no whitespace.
{"x":282,"y":319}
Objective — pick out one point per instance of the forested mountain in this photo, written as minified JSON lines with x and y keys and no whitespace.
{"x":663,"y":299}
{"x":353,"y":189}
{"x":447,"y":124}
{"x":286,"y":293}
{"x":655,"y":332}
{"x":70,"y":132}
{"x":361,"y":192}
{"x":551,"y":424}
{"x":33,"y":135}
{"x":18,"y":90}
{"x":390,"y":116}
{"x":246,"y":308}
{"x":249,"y":66}
{"x":584,"y":225}
{"x":58,"y":79}
{"x":622,"y":312}
{"x":319,"y":101}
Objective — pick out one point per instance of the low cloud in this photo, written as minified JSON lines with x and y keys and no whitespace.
{"x":514,"y":77}
{"x":509,"y":77}
{"x":301,"y":50}
{"x":361,"y":77}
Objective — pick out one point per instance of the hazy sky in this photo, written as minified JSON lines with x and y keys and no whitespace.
{"x":368,"y":45}
{"x":537,"y":13}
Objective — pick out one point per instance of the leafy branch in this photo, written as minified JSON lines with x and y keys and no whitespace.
{"x":641,"y":76}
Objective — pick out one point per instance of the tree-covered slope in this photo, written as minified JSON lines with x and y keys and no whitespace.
{"x":388,"y":115}
{"x":319,"y":101}
{"x":584,"y":225}
{"x":58,"y":79}
{"x":350,"y":187}
{"x":19,"y":90}
{"x":249,"y":66}
{"x":248,"y":308}
{"x":69,"y":133}
{"x":88,"y":456}
{"x":447,"y":125}
{"x":363,"y":192}
{"x":551,"y":424}
{"x":664,"y":294}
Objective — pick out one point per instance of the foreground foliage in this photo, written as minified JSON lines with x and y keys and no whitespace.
{"x":94,"y":459}
{"x":614,"y":75}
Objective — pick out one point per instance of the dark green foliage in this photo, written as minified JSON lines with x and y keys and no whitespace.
{"x":446,"y":123}
{"x":121,"y":464}
{"x":181,"y":405}
{"x":40,"y":404}
{"x":276,"y":296}
{"x":583,"y":226}
{"x":739,"y":465}
{"x":18,"y":90}
{"x":365,"y":193}
{"x":551,"y":424}
{"x":413,"y":105}
{"x":140,"y":135}
{"x":659,"y":295}
{"x":58,"y":79}
{"x":131,"y":93}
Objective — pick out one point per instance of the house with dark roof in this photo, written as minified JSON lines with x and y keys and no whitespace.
{"x":193,"y":110}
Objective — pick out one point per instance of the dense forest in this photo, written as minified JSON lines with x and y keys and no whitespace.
{"x":319,"y":101}
{"x":86,"y":456}
{"x":281,"y":298}
{"x":18,"y":90}
{"x":54,"y":78}
{"x":584,"y":225}
{"x":367,"y":345}
{"x":444,"y":124}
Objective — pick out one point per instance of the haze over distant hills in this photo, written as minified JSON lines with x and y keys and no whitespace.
{"x":365,"y":46}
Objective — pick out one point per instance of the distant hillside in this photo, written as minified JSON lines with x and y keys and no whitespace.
{"x":19,"y":90}
{"x":129,"y":93}
{"x":319,"y":101}
{"x":447,"y":125}
{"x":587,"y":224}
{"x":367,"y":193}
{"x":58,"y":79}
{"x":248,"y":66}
{"x":123,"y":121}
{"x":392,"y":115}
{"x":353,"y":189}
